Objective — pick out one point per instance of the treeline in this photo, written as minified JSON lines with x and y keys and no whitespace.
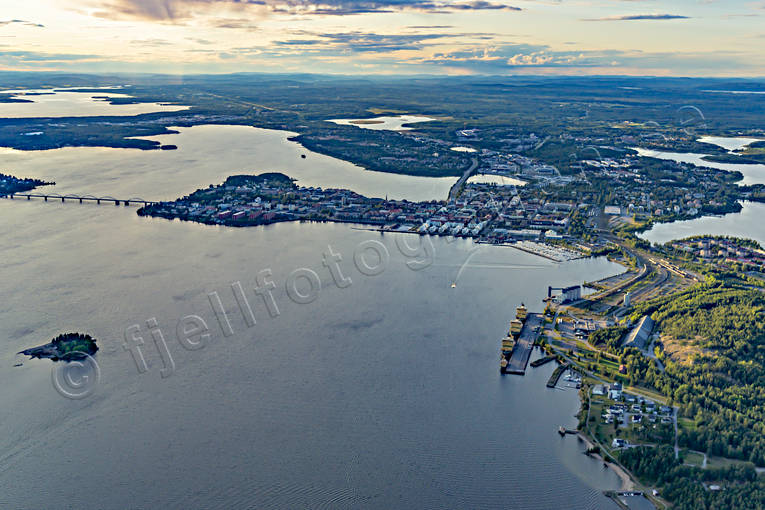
{"x":719,"y":382}
{"x":71,"y":343}
{"x":685,"y":487}
{"x":608,"y":338}
{"x":10,"y":184}
{"x":739,"y":241}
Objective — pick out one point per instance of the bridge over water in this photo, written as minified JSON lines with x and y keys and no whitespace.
{"x":79,"y":198}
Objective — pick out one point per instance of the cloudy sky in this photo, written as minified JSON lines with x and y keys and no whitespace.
{"x":641,"y":37}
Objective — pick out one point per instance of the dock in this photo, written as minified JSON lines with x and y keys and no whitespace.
{"x":519,"y":358}
{"x":553,"y":381}
{"x":543,"y":361}
{"x":616,"y":496}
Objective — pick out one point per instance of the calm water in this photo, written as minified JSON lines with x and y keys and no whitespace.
{"x":382,"y":394}
{"x":392,"y":123}
{"x":499,"y":180}
{"x":729,"y":143}
{"x":76,"y":104}
{"x":207,"y":155}
{"x":747,"y":223}
{"x":753,"y":174}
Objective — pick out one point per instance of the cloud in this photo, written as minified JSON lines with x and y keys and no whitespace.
{"x":30,"y":59}
{"x":367,"y":42}
{"x":174,"y":10}
{"x":20,"y":22}
{"x":372,"y":53}
{"x":155,"y":43}
{"x":505,"y":58}
{"x":638,"y":17}
{"x":541,"y":59}
{"x":548,"y":59}
{"x":235,"y":23}
{"x":199,"y":40}
{"x":364,"y":42}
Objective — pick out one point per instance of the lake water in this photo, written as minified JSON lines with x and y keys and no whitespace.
{"x":207,"y":155}
{"x":391,"y":123}
{"x":753,"y":174}
{"x":63,"y":103}
{"x":383,"y":394}
{"x":747,"y":223}
{"x":499,"y":180}
{"x":729,"y":143}
{"x":735,"y":91}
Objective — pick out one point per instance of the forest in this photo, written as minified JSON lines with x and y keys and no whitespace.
{"x":713,"y":349}
{"x":688,"y":487}
{"x":574,"y":118}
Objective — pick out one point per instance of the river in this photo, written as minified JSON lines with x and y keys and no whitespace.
{"x":384,"y":393}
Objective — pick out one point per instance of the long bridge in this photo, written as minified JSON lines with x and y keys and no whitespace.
{"x":79,"y":198}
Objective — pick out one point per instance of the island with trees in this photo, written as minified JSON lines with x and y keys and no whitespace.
{"x":65,"y":347}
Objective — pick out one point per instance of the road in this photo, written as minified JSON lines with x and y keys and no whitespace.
{"x":675,"y":411}
{"x":457,"y":186}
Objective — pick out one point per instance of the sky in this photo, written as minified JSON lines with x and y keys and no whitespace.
{"x":445,"y":37}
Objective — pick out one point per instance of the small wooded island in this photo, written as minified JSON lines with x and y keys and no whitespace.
{"x":10,"y":184}
{"x":66,"y":347}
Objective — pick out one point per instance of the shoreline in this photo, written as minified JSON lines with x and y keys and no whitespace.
{"x":628,"y":483}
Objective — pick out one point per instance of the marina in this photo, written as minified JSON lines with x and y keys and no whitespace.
{"x":548,"y":251}
{"x":555,"y":377}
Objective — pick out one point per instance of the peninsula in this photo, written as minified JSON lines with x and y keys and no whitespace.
{"x":10,"y":184}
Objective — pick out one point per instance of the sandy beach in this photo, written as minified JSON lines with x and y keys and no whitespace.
{"x":627,"y":483}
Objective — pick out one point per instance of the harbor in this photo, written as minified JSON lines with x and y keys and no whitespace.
{"x":555,"y":377}
{"x":517,"y":346}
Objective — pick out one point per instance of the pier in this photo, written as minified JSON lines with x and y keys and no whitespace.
{"x":543,"y":361}
{"x":553,"y":381}
{"x":519,"y":358}
{"x":79,"y":198}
